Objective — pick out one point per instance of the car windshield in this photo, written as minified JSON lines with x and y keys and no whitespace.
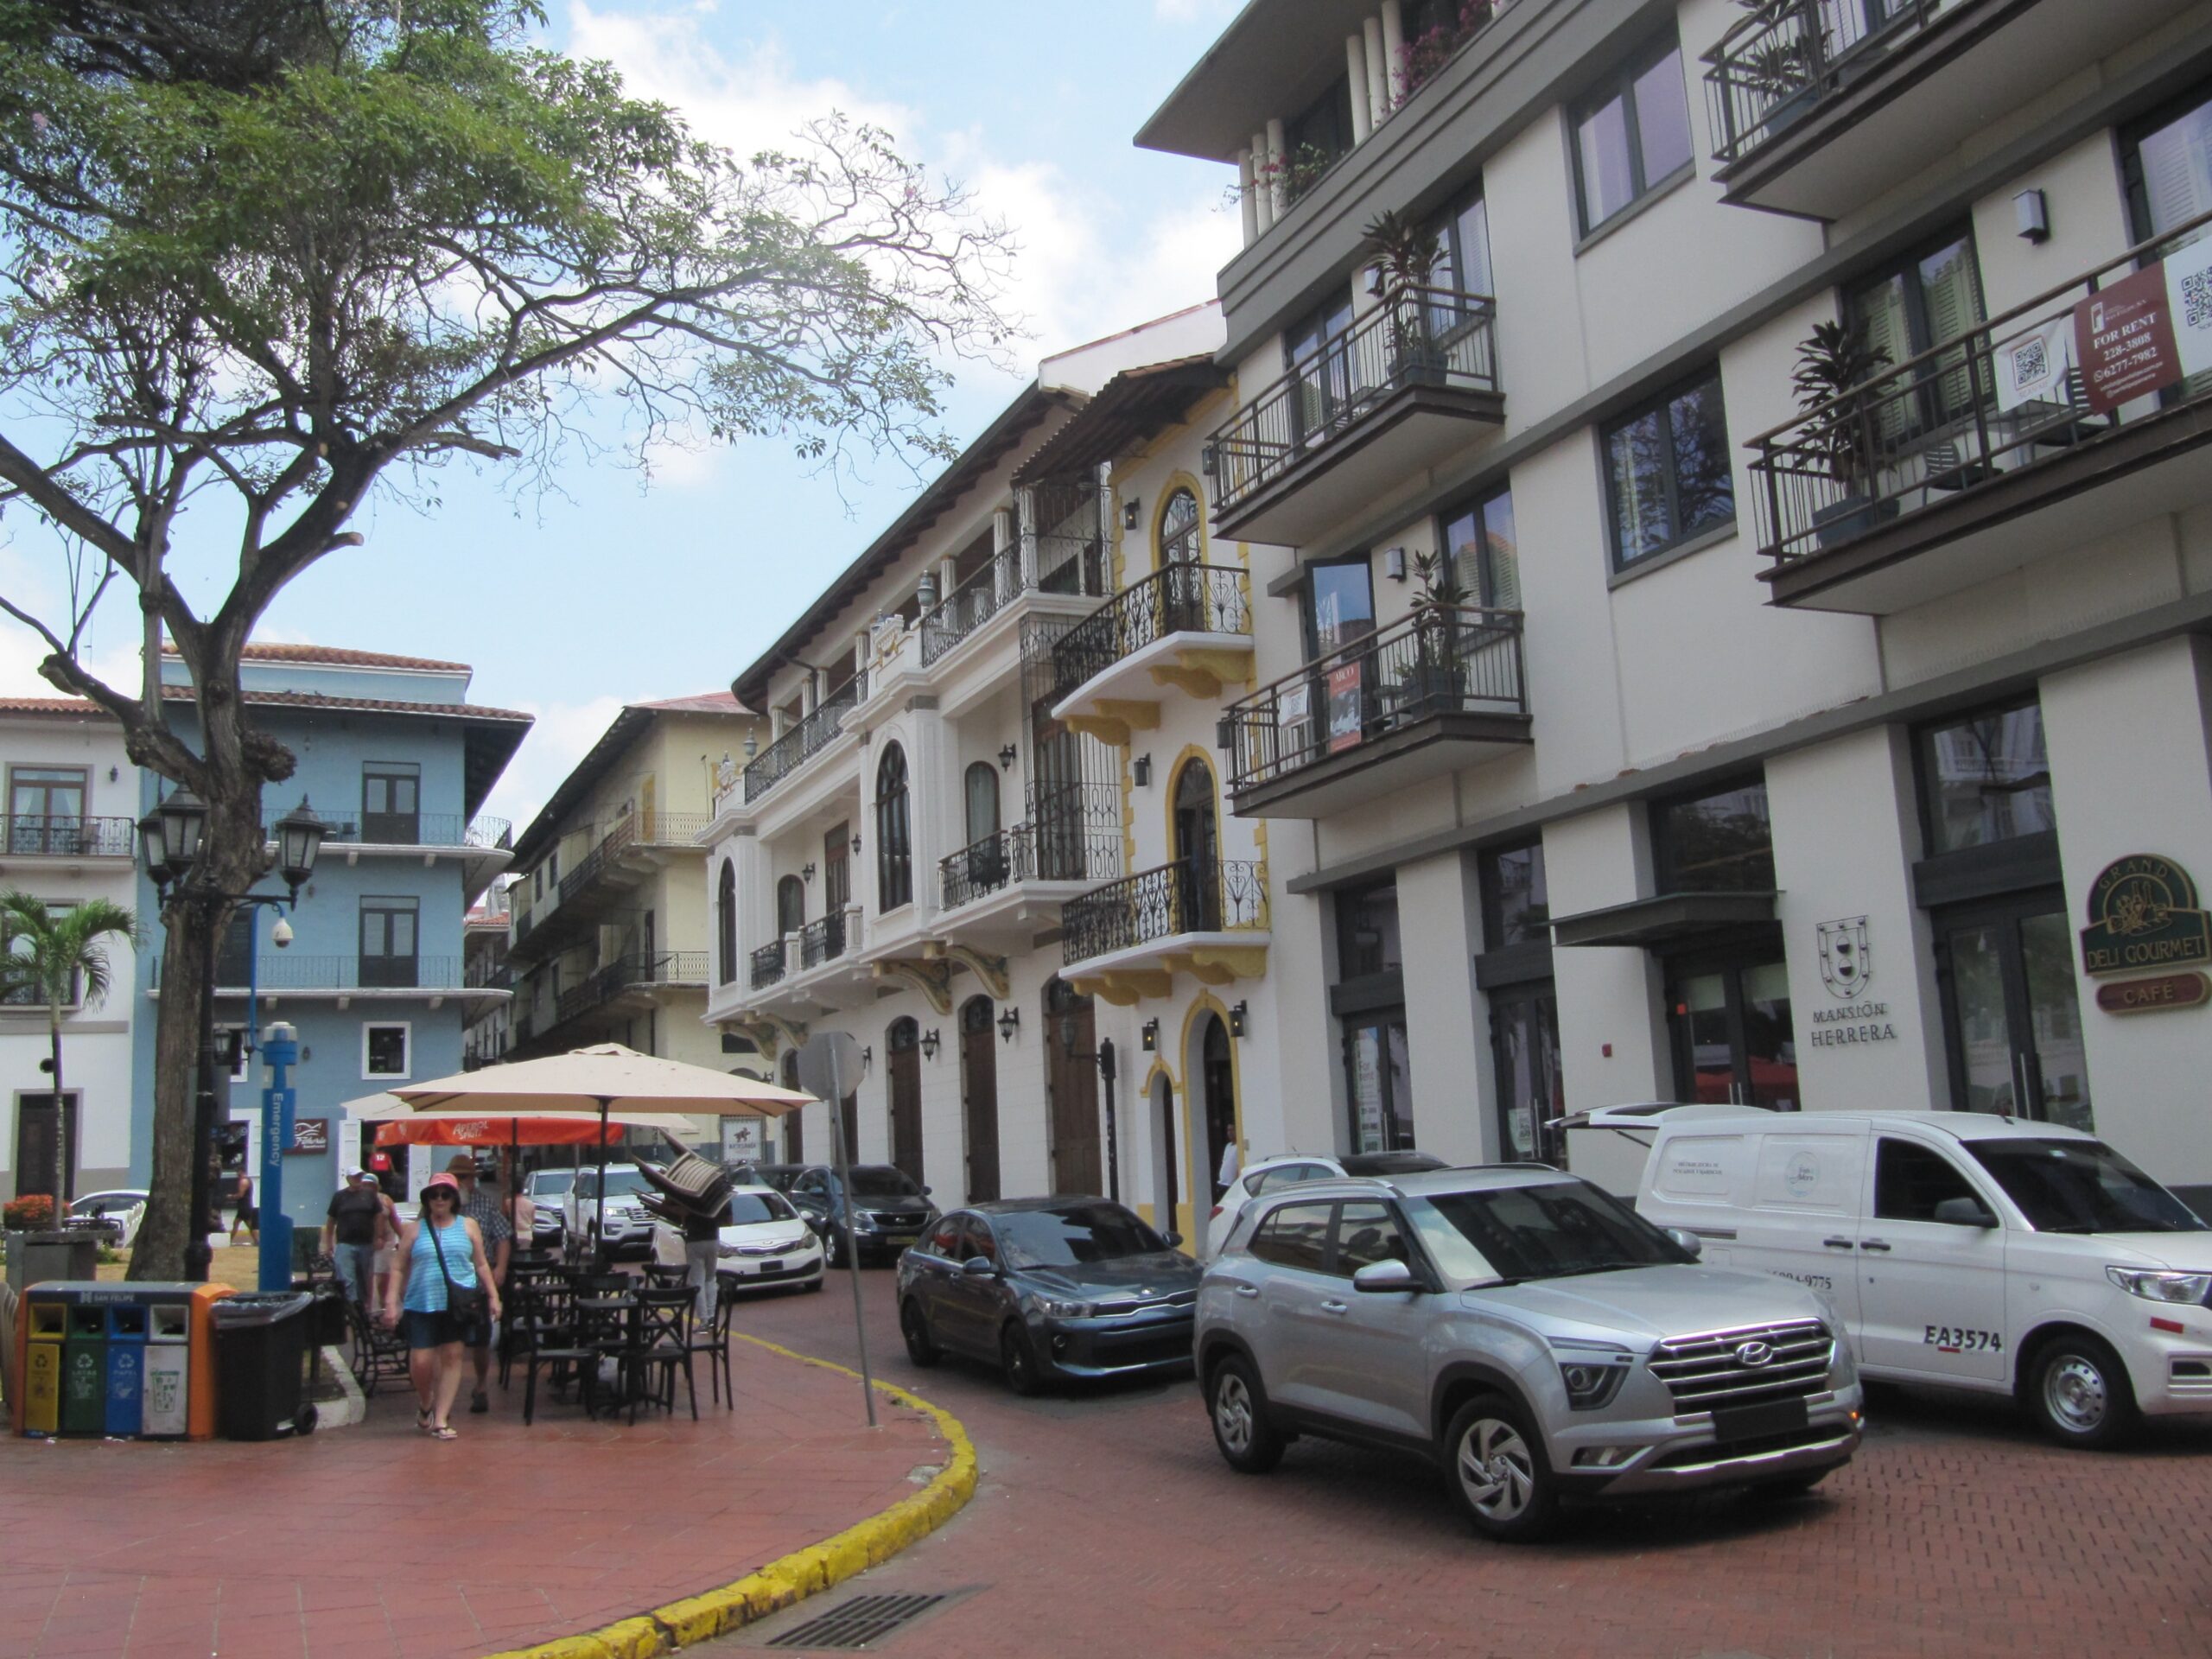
{"x":2081,"y":1187}
{"x":619,"y":1181}
{"x":745,"y":1208}
{"x":884,"y":1184}
{"x":1072,"y":1235}
{"x":101,"y":1203}
{"x":1543,"y":1231}
{"x":551,"y":1183}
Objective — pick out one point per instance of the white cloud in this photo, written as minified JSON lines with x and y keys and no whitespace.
{"x":1194,"y":11}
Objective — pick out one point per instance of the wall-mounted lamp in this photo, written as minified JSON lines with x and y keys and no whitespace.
{"x":929,"y":1044}
{"x":752,"y":745}
{"x":2032,"y":216}
{"x":1394,"y":563}
{"x":1008,"y":756}
{"x":867,"y":1056}
{"x":856,"y":843}
{"x":1148,"y":1034}
{"x":806,"y":871}
{"x":1009,"y":1022}
{"x":1131,"y":510}
{"x":925,"y":594}
{"x":1237,"y":1021}
{"x":112,"y":775}
{"x":1140,"y":771}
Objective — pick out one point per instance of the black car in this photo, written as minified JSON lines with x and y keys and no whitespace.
{"x":889,"y":1209}
{"x":780,"y":1176}
{"x":1048,"y":1288}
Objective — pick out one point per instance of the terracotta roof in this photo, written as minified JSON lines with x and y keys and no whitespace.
{"x":334,"y":656}
{"x":52,"y":706}
{"x":370,"y":705}
{"x":703,"y":702}
{"x":1132,"y":406}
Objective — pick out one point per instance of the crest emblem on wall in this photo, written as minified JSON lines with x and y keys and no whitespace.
{"x":1846,"y":965}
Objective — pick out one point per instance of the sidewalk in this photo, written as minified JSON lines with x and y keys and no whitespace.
{"x":375,"y":1541}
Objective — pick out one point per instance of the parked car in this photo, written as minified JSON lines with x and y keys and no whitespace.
{"x":766,"y":1242}
{"x":1963,"y":1249}
{"x":1526,"y":1331}
{"x":889,"y":1209}
{"x":1048,"y":1288}
{"x":780,"y":1176}
{"x":1292,"y":1169}
{"x":114,"y":1215}
{"x":629,"y":1228}
{"x":549,"y":1189}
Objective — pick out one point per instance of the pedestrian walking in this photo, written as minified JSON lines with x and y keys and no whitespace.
{"x":246,"y":1216}
{"x":353,"y":1230}
{"x":703,"y":1247}
{"x":1232,"y":1163}
{"x":482,"y":1208}
{"x":441,"y":1281}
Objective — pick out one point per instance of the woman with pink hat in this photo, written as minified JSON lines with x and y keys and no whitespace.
{"x":448,"y":1298}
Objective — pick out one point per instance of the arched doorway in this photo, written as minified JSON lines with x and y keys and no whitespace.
{"x":1071,"y":1030}
{"x":903,"y":1042}
{"x":791,"y":907}
{"x":1198,"y":848}
{"x":1216,"y":1077}
{"x":979,"y":1097}
{"x":792,"y":1124}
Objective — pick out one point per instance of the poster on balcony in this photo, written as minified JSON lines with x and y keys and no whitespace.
{"x":1344,"y":706}
{"x":2146,"y":331}
{"x":2032,"y":365}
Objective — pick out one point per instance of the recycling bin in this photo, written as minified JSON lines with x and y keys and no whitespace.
{"x":46,"y":1327}
{"x":126,"y":1369}
{"x":83,"y":1371}
{"x":168,"y":1371}
{"x":260,"y":1348}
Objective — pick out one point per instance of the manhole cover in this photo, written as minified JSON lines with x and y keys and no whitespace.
{"x":858,"y":1622}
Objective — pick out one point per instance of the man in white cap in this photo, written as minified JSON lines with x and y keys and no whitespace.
{"x":352,"y":1229}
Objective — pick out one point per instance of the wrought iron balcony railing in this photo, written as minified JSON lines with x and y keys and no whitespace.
{"x":972,"y":603}
{"x":822,"y":940}
{"x":1771,"y":69}
{"x":767,"y":965}
{"x":1973,"y":412}
{"x":603,"y":984}
{"x":1448,"y":660}
{"x":406,"y":828}
{"x":1415,"y":337}
{"x":37,"y":835}
{"x":1073,"y":834}
{"x":796,"y":747}
{"x":277,"y":971}
{"x":1175,"y":599}
{"x":1186,"y":897}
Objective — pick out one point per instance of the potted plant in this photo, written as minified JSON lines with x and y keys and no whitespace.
{"x":1777,"y":63}
{"x":1834,"y":364}
{"x":1432,"y":683}
{"x":1405,"y":255}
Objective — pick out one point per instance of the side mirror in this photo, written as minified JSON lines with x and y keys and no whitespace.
{"x":980,"y":1267}
{"x":1964,"y":1212}
{"x":1172,"y":1239}
{"x":1688,"y":1241}
{"x":925,"y":1192}
{"x":1379,"y":1278}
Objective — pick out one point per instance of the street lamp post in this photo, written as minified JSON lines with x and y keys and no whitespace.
{"x":172,"y":834}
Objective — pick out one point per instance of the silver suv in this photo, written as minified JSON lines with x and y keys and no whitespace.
{"x":1523,"y":1329}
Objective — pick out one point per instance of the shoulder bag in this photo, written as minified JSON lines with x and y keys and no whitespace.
{"x":467,"y":1303}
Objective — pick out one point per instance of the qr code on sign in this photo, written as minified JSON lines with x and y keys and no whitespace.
{"x":2196,"y":300}
{"x":2030,"y":361}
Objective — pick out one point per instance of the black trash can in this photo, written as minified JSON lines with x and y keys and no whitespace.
{"x":260,"y":1343}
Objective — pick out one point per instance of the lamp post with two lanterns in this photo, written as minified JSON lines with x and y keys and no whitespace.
{"x":171,"y":836}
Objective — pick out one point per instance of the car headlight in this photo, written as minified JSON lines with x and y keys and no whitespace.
{"x":1052,"y":1309}
{"x":2155,"y":1285}
{"x":1591,"y":1372}
{"x":862,"y":1222}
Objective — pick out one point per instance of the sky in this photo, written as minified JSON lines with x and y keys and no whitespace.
{"x":624,"y":587}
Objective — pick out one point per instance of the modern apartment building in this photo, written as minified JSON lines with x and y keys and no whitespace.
{"x":932,"y":814}
{"x":1733,"y":626}
{"x":392,"y":755}
{"x":609,"y":931}
{"x":484,"y":962}
{"x":71,"y":835}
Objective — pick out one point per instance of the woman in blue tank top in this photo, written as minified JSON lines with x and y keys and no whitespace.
{"x":441,"y":1247}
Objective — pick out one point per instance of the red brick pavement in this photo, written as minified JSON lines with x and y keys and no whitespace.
{"x":1106,"y":1523}
{"x":375,"y":1541}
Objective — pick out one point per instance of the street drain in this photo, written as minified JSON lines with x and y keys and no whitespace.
{"x":858,"y":1622}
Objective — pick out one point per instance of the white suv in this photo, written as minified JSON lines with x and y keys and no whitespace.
{"x":1295,"y":1168}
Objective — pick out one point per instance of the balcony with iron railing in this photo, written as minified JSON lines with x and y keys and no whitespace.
{"x":639,"y":844}
{"x":1412,"y":382}
{"x":37,"y":834}
{"x":807,"y":738}
{"x":406,"y":829}
{"x":1442,"y":689}
{"x":766,"y":965}
{"x":1186,"y":626}
{"x":2034,"y":434}
{"x":283,"y":973}
{"x":1129,"y":937}
{"x":822,"y":940}
{"x":1820,"y":106}
{"x":1015,"y":879}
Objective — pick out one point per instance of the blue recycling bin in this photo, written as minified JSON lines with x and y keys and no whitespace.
{"x":127,"y":1368}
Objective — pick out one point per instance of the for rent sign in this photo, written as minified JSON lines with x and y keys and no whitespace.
{"x":2148,"y":330}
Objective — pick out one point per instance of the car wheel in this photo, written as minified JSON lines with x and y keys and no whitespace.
{"x":833,"y":1248}
{"x":1248,"y":1442}
{"x":1500,"y":1475}
{"x":2079,"y":1394}
{"x":914,"y":1325}
{"x":1018,"y":1359}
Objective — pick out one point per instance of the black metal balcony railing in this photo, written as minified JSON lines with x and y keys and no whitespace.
{"x":1175,"y":599}
{"x":37,"y":835}
{"x":1186,"y":897}
{"x":791,"y":751}
{"x":1415,"y":337}
{"x":1976,"y":410}
{"x":1075,"y":837}
{"x":282,"y":971}
{"x":767,"y":965}
{"x":972,"y":603}
{"x":1771,"y":69}
{"x":601,"y":985}
{"x":405,"y":828}
{"x":480,"y":975}
{"x":1445,"y":661}
{"x":822,"y":940}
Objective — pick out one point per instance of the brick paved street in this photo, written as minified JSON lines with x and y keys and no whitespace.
{"x":373,"y":1543}
{"x":1107,"y":1524}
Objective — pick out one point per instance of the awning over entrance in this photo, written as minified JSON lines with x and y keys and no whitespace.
{"x":1674,"y":922}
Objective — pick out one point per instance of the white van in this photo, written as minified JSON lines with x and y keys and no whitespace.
{"x":1961,"y":1248}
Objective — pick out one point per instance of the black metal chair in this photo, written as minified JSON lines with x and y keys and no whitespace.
{"x":661,"y":1341}
{"x":555,"y":1337}
{"x":662,"y":1277}
{"x":711,"y":1339}
{"x":378,"y":1355}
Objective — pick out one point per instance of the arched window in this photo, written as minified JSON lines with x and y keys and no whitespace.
{"x":1198,"y":849}
{"x":1180,"y":542}
{"x":791,"y":906}
{"x":982,"y":793}
{"x":725,"y":921}
{"x":894,"y":850}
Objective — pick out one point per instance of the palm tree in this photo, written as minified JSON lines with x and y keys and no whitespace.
{"x":51,"y":954}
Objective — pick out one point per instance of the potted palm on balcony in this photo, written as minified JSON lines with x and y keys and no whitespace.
{"x":1778,"y":64}
{"x":1432,"y":682}
{"x":1834,"y":362}
{"x":1405,"y":255}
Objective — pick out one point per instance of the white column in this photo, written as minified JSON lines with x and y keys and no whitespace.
{"x":1394,"y":49}
{"x":1363,"y":120}
{"x":1378,"y":72}
{"x":1025,"y":505}
{"x":1279,"y":191}
{"x":810,"y":694}
{"x":1455,"y":1086}
{"x":1247,"y":194}
{"x":1264,"y":191}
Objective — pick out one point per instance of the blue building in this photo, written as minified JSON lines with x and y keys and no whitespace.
{"x":393,"y":756}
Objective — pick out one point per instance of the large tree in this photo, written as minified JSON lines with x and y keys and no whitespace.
{"x":261,"y":258}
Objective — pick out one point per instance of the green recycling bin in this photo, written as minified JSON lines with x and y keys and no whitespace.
{"x":84,"y":1372}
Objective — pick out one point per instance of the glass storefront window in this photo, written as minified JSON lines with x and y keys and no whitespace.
{"x":1987,"y":777}
{"x":1516,"y":906}
{"x":1367,"y":932}
{"x":1717,"y":842}
{"x":1380,"y":1084}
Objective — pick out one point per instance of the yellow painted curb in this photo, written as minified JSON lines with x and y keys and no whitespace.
{"x":798,"y":1576}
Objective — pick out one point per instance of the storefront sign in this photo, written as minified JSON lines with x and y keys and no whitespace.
{"x":1868,"y":1022}
{"x":2144,"y":915}
{"x":2148,"y":330}
{"x":310,"y":1134}
{"x":1344,"y":706}
{"x":2188,"y":990}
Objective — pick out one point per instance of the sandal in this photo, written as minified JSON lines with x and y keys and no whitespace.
{"x":442,"y":1432}
{"x":422,"y":1419}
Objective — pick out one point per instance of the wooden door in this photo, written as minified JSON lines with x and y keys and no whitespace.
{"x":1076,"y":1165}
{"x":979,"y":1098}
{"x":906,"y":1079}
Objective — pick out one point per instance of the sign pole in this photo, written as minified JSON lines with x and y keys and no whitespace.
{"x":281,"y":1049}
{"x":830,"y":1067}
